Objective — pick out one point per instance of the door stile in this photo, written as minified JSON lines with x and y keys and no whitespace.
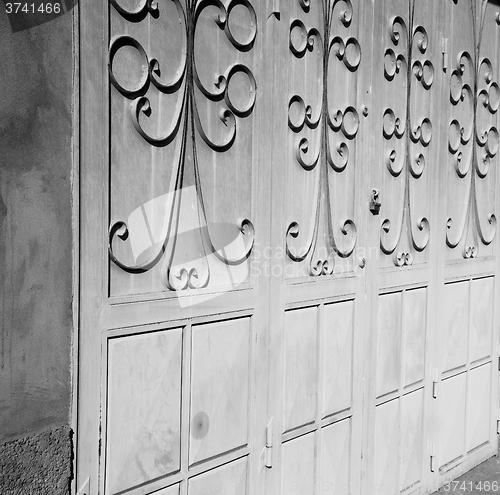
{"x":264,"y":199}
{"x":495,"y":413}
{"x":495,"y":382}
{"x":370,"y":145}
{"x":93,"y":218}
{"x":273,"y":263}
{"x":436,"y":294}
{"x":367,"y":96}
{"x":435,"y":317}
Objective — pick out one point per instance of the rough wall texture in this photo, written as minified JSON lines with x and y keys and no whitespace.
{"x":39,"y":464}
{"x":36,"y":88}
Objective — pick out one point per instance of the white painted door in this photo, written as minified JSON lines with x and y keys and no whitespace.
{"x":288,"y":245}
{"x":174,"y":190}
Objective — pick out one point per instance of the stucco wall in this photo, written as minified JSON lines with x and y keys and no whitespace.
{"x":36,"y":88}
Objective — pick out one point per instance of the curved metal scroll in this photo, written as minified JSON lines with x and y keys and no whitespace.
{"x":186,"y":123}
{"x":407,"y":141}
{"x":472,"y":142}
{"x":322,"y":121}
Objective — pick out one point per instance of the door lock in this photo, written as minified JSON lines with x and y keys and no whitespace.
{"x":375,"y":202}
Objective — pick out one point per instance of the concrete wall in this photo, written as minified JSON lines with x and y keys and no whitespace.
{"x":36,"y":331}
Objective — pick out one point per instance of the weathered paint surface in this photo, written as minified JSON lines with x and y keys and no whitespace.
{"x":36,"y":87}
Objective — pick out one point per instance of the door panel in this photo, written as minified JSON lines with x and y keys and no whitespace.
{"x":219,"y":399}
{"x":452,"y":419}
{"x":301,"y":368}
{"x":336,"y":455}
{"x":299,"y":465}
{"x":479,"y":406}
{"x":144,"y":398}
{"x":338,"y":347}
{"x":228,"y":479}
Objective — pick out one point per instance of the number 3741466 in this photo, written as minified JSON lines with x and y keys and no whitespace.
{"x":33,"y":8}
{"x":469,"y":486}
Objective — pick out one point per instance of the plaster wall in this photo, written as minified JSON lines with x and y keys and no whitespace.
{"x":37,"y":70}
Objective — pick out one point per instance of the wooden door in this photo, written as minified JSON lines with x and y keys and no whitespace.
{"x":288,"y":237}
{"x":466,"y":361}
{"x":431,"y":386}
{"x":320,"y":236}
{"x":173,"y":206}
{"x":406,"y":119}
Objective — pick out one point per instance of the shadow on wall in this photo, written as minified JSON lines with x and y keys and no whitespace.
{"x":26,"y":15}
{"x":36,"y":129}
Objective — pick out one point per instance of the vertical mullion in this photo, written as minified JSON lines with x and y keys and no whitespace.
{"x":320,"y":332}
{"x":401,"y":389}
{"x":372,"y":141}
{"x":276,"y":70}
{"x":186,"y":399}
{"x":367,"y":248}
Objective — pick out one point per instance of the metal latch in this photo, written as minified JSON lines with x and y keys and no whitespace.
{"x":375,"y":202}
{"x":434,"y":382}
{"x":433,"y":457}
{"x":275,"y":8}
{"x":444,"y":50}
{"x":269,"y":445}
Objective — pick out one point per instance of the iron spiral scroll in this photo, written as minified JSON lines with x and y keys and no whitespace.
{"x":186,"y":124}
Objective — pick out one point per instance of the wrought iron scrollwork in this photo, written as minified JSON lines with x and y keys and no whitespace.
{"x":324,"y":121}
{"x":471,"y":144}
{"x":186,"y":123}
{"x":407,"y":140}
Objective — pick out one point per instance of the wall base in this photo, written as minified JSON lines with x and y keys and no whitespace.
{"x":38,"y":464}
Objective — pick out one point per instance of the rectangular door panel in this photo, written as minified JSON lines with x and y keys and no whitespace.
{"x":220,"y":380}
{"x":301,"y":368}
{"x":415,"y":335}
{"x":299,"y":466}
{"x":336,"y":455}
{"x":171,"y":490}
{"x":386,"y":449}
{"x":399,"y":449}
{"x":230,"y":479}
{"x":479,"y":406}
{"x":337,"y":348}
{"x":480,"y":343}
{"x":144,"y":398}
{"x":452,"y":419}
{"x":389,"y":344}
{"x":412,"y":439}
{"x":454,"y":355}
